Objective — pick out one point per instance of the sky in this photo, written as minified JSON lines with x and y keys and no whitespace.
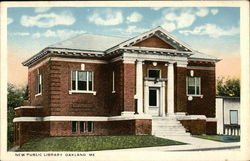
{"x":212,"y":30}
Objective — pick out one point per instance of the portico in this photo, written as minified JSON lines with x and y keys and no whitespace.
{"x":151,"y":91}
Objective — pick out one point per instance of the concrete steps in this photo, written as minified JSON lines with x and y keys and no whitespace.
{"x":167,"y":126}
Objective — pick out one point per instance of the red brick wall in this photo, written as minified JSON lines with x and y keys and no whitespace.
{"x":126,"y":127}
{"x":35,"y":112}
{"x":129,"y":87}
{"x":205,"y":105}
{"x":25,"y":131}
{"x":44,"y":99}
{"x":200,"y":126}
{"x":180,"y":89}
{"x":143,"y":127}
{"x":57,"y":83}
{"x":79,"y":104}
{"x":114,"y":101}
{"x":155,"y":42}
{"x":211,"y":127}
{"x":195,"y":126}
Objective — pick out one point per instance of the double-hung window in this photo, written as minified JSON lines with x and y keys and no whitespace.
{"x":38,"y":84}
{"x":82,"y":80}
{"x":193,"y":86}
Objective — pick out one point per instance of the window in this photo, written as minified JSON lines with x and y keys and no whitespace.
{"x":82,"y":80}
{"x":74,"y":126}
{"x":85,"y":126}
{"x":81,"y":126}
{"x":90,"y":126}
{"x":38,"y":83}
{"x":193,"y":86}
{"x":113,"y":80}
{"x":233,"y":117}
{"x":154,"y":73}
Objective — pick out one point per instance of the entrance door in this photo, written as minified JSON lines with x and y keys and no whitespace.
{"x":154,"y":103}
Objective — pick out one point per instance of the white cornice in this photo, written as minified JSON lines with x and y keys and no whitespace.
{"x":28,"y":107}
{"x":201,"y":67}
{"x":77,"y":60}
{"x":62,"y":51}
{"x":81,"y":118}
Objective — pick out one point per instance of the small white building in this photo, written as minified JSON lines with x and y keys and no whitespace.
{"x":228,"y":115}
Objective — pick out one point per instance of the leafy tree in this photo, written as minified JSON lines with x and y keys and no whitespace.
{"x":228,"y":87}
{"x":16,"y":96}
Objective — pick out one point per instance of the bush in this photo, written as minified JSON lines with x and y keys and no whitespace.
{"x":228,"y":87}
{"x":16,"y":96}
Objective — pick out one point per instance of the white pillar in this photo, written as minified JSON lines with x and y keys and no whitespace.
{"x":139,"y":86}
{"x":163,"y":99}
{"x":146,"y":97}
{"x":170,"y":89}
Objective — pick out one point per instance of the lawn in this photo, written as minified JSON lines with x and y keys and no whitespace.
{"x":220,"y":138}
{"x":91,"y":143}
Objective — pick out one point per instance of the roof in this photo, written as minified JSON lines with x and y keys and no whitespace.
{"x":90,"y":42}
{"x":101,"y":46}
{"x":200,"y":55}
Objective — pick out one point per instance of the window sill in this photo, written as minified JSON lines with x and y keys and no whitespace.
{"x":39,"y":94}
{"x":74,"y":91}
{"x":201,"y":96}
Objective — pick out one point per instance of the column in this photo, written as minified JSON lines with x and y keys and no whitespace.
{"x":146,"y":97}
{"x":170,"y":89}
{"x":139,"y":86}
{"x":163,"y":99}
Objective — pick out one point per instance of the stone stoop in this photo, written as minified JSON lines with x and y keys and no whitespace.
{"x":167,"y":126}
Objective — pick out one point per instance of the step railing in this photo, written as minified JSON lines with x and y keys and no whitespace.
{"x":231,"y":129}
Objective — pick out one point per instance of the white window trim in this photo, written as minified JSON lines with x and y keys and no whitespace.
{"x":76,"y":127}
{"x":113,"y":83}
{"x":194,"y":95}
{"x":71,"y":91}
{"x":81,"y":91}
{"x":86,"y":126}
{"x":40,"y":83}
{"x":153,"y":69}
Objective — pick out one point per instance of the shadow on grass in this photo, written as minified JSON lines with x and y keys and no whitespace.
{"x":220,"y":138}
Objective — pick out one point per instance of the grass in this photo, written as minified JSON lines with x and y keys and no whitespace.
{"x":220,"y":138}
{"x":92,"y":143}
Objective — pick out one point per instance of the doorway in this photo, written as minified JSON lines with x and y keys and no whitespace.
{"x":154,"y":101}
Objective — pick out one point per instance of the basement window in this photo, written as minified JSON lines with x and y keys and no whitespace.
{"x":74,"y":127}
{"x":90,"y":126}
{"x":193,"y":86}
{"x":82,"y":126}
{"x":86,"y":126}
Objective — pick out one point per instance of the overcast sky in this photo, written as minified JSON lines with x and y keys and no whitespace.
{"x":212,"y":30}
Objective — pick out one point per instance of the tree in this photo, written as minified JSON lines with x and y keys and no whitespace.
{"x":16,"y":96}
{"x":228,"y":87}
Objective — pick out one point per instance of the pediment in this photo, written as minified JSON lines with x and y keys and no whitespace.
{"x":154,"y":42}
{"x":156,"y":38}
